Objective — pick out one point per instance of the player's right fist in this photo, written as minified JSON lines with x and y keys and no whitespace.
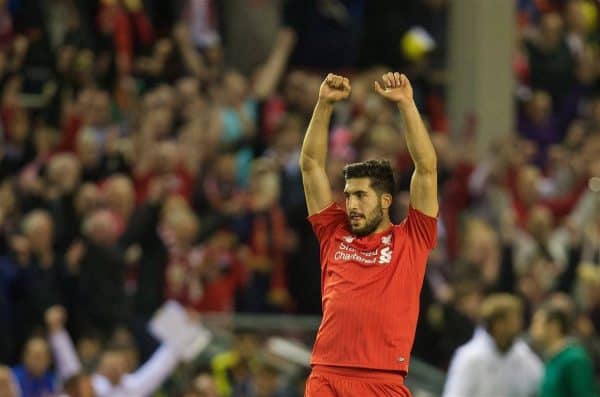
{"x":56,"y":316}
{"x":334,"y":88}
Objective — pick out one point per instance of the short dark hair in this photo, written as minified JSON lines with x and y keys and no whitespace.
{"x":378,"y":171}
{"x":498,"y":307}
{"x":560,"y":315}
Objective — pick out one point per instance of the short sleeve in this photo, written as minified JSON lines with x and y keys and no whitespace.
{"x":325,"y":221}
{"x":421,"y":228}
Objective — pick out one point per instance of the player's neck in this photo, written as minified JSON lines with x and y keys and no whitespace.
{"x":385,"y":224}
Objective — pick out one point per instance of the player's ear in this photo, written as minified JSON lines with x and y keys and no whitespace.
{"x":386,"y":200}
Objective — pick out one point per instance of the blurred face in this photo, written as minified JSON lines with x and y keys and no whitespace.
{"x":183,"y":223}
{"x":88,"y":150}
{"x":99,"y":110}
{"x":64,"y":171}
{"x":214,"y":54}
{"x":509,"y":328}
{"x":205,"y":386}
{"x":364,"y":206}
{"x":45,"y":140}
{"x":40,"y":231}
{"x":7,"y":197}
{"x":166,"y":97}
{"x":120,"y":195}
{"x":551,"y":29}
{"x":188,"y":87}
{"x":193,"y":107}
{"x":167,"y":157}
{"x":289,"y":139}
{"x":100,"y":227}
{"x":89,"y":349}
{"x":131,"y":359}
{"x":265,"y":187}
{"x":19,"y":126}
{"x":540,"y":106}
{"x":226,"y":168}
{"x":527,"y":184}
{"x":113,"y":366}
{"x":87,"y":199}
{"x":36,"y":357}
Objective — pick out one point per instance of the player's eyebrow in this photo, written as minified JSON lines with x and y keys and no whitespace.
{"x":350,"y":192}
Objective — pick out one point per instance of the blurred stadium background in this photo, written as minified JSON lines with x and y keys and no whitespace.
{"x":149,"y":153}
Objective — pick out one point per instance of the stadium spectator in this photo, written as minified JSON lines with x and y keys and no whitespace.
{"x":34,"y":376}
{"x":568,"y":369}
{"x":495,"y":360}
{"x":112,"y":377}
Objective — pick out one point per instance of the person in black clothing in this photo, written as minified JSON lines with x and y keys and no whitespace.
{"x":33,"y":276}
{"x":98,"y":271}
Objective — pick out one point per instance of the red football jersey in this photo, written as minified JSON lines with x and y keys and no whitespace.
{"x":370,"y":290}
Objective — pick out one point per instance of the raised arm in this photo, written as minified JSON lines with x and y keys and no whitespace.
{"x":314,"y":149}
{"x":153,"y":373}
{"x":65,"y":355}
{"x":269,"y":74}
{"x":423,"y":185}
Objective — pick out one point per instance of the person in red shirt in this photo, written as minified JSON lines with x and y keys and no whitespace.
{"x":371,"y":270}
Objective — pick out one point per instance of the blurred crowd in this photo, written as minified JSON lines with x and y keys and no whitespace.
{"x":149,"y":152}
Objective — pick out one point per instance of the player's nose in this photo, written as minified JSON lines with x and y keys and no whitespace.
{"x":352,"y":204}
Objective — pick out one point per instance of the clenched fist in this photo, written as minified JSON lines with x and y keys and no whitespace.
{"x":334,"y":88}
{"x":56,"y":316}
{"x":396,"y":88}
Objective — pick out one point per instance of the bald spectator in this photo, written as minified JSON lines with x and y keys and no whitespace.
{"x":119,"y":197}
{"x":35,"y":275}
{"x":100,"y":274}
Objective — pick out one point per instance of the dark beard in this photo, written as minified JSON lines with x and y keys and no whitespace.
{"x":376,"y":217}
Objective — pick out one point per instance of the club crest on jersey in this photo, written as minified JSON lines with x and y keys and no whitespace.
{"x":348,"y":239}
{"x":385,"y":256}
{"x":386,"y":240}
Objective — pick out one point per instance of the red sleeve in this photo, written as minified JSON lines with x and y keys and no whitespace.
{"x":325,"y":221}
{"x":144,"y":27}
{"x":421,"y":228}
{"x":70,"y":134}
{"x":123,"y":40}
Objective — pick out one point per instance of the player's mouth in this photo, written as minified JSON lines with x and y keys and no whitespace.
{"x":356,"y":218}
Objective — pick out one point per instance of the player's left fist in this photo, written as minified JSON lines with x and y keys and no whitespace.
{"x":396,"y":88}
